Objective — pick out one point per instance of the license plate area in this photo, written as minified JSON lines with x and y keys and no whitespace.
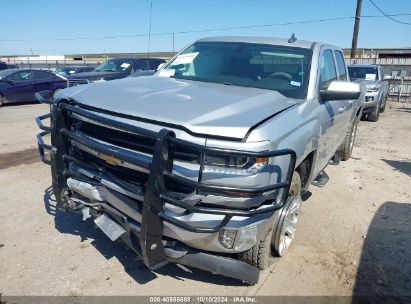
{"x":109,"y":227}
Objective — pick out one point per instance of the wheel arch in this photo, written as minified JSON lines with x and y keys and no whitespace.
{"x":306,"y":169}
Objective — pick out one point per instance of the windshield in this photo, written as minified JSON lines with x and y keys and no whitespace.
{"x":5,"y":73}
{"x":66,"y":70}
{"x":115,"y":65}
{"x":279,"y":68}
{"x":369,"y":73}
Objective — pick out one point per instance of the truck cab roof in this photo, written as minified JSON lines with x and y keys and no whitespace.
{"x":262,"y":40}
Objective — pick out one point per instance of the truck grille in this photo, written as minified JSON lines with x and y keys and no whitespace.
{"x":133,"y":142}
{"x":76,"y":82}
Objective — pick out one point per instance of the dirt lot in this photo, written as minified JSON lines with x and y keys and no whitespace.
{"x":354,"y":236}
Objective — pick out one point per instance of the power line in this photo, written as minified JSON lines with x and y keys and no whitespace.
{"x":389,"y":16}
{"x":200,"y":30}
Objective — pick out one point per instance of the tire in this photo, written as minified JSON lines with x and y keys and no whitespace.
{"x":382,"y":109}
{"x":345,"y":150}
{"x":374,"y":115}
{"x":259,"y":255}
{"x":2,"y":102}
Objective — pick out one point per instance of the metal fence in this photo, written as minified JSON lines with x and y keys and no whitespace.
{"x":42,"y":64}
{"x":400,"y":90}
{"x":380,"y":61}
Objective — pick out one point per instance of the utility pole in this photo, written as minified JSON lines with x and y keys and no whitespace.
{"x":356,"y":29}
{"x":149,"y":30}
{"x":173,"y":42}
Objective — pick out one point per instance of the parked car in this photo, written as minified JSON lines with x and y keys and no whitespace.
{"x":205,"y":163}
{"x":115,"y":69}
{"x":12,"y":66}
{"x":3,"y":66}
{"x":377,"y":88}
{"x":154,"y":66}
{"x":70,"y":70}
{"x":20,"y":85}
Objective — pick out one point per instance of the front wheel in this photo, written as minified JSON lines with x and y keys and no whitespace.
{"x":382,"y":110}
{"x":375,"y":114}
{"x":280,"y":236}
{"x":286,"y":225}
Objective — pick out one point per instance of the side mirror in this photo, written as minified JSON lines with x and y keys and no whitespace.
{"x":160,"y":66}
{"x":341,"y":90}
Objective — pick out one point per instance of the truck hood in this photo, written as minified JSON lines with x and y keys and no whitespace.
{"x":203,"y":108}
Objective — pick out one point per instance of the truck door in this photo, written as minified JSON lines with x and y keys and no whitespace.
{"x":42,"y":80}
{"x":347,"y":105}
{"x":21,"y":89}
{"x":331,"y":111}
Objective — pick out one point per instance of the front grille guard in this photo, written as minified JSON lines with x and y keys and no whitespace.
{"x":160,"y":170}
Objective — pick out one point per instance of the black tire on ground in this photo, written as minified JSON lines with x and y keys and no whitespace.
{"x":2,"y":102}
{"x":374,"y":115}
{"x":259,"y":255}
{"x":382,"y":109}
{"x":347,"y":146}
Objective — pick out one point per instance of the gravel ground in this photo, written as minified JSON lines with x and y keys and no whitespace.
{"x":354,"y":237}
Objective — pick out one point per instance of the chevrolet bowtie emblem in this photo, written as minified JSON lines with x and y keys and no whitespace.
{"x":110,"y":159}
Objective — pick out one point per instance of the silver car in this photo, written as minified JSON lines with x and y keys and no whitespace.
{"x":377,"y":88}
{"x":205,"y":163}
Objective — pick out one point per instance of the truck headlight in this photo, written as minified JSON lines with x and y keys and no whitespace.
{"x":234,"y":165}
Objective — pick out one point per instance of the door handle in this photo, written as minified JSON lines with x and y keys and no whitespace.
{"x":340,"y":110}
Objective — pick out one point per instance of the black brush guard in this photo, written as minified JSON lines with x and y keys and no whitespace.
{"x":160,"y":168}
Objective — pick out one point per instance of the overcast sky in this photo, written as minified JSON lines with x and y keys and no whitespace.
{"x":79,"y":26}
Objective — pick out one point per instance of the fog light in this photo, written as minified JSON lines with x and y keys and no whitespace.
{"x":87,"y":190}
{"x":246,"y":238}
{"x":227,"y":237}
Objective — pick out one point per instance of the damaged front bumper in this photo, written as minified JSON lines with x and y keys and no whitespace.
{"x":155,"y":222}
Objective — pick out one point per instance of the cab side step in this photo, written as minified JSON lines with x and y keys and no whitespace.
{"x":321,"y":179}
{"x":335,"y":160}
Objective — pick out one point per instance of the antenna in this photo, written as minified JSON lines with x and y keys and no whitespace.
{"x":292,"y":39}
{"x":149,"y":30}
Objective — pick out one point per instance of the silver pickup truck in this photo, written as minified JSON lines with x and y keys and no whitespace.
{"x":205,"y":163}
{"x":376,"y":85}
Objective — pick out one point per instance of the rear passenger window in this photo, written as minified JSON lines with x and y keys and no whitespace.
{"x":342,"y":71}
{"x":142,"y":65}
{"x":327,"y":69}
{"x":40,"y":75}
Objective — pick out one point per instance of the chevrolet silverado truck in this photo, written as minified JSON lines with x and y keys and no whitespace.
{"x":205,"y":163}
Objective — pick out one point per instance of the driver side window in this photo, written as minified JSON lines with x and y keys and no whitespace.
{"x":20,"y":76}
{"x":327,"y":69}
